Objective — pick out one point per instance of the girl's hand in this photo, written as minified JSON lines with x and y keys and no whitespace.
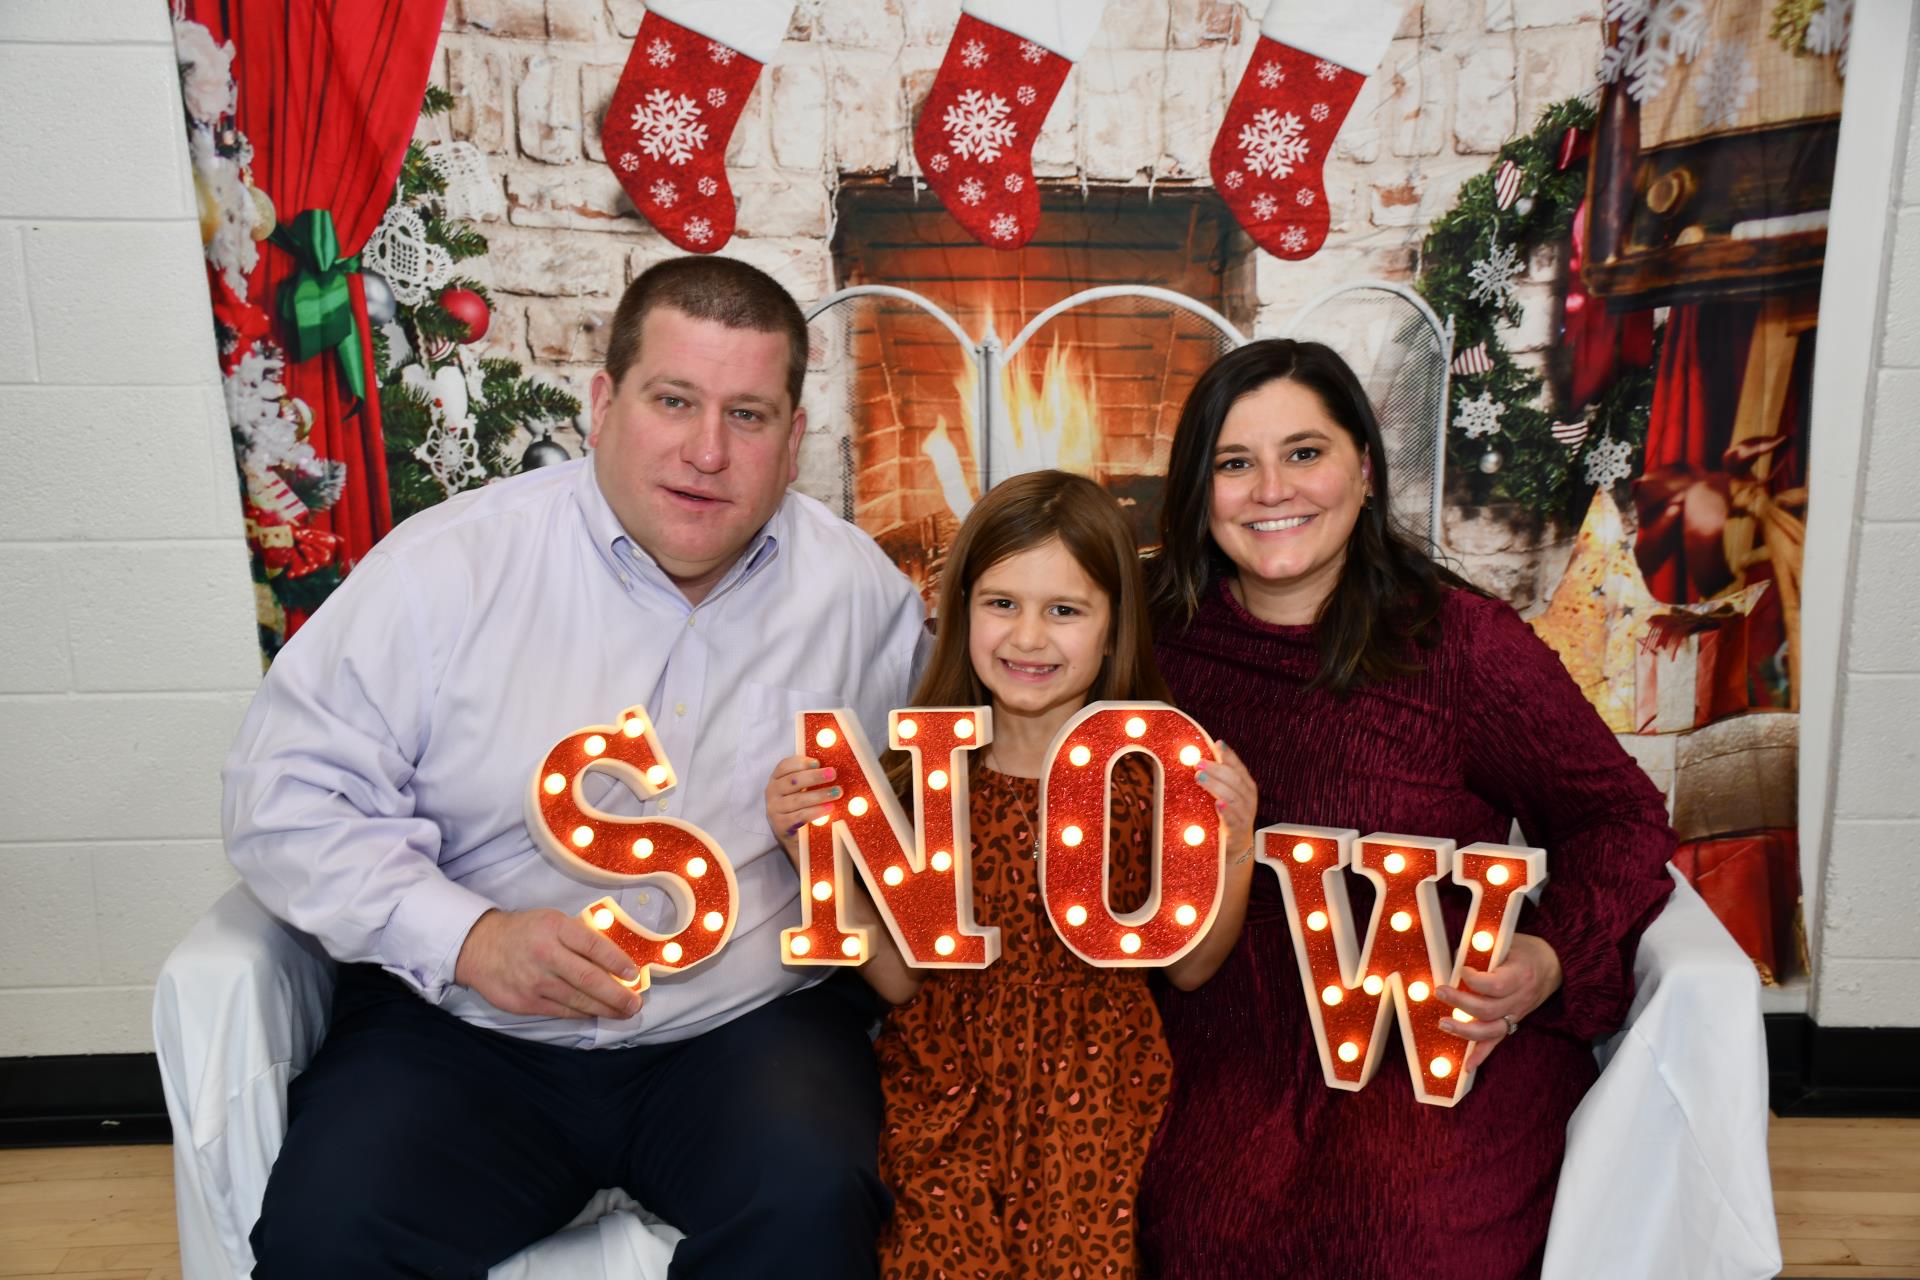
{"x":1511,"y":989}
{"x":798,"y":792}
{"x":1235,"y":796}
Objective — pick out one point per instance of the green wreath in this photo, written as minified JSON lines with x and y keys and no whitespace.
{"x":1536,"y":471}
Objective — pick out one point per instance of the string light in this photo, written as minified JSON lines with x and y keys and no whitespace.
{"x":1331,"y":995}
{"x":799,"y":946}
{"x":657,"y":777}
{"x":893,"y":876}
{"x":822,"y":890}
{"x":1186,"y":915}
{"x":1482,"y":940}
{"x":1349,"y":1051}
{"x":696,"y":867}
{"x":595,"y":745}
{"x":941,"y":860}
{"x":857,"y":806}
{"x":1076,"y":915}
{"x":1401,"y":921}
{"x":1497,"y":874}
{"x":963,"y":728}
{"x":1303,"y":852}
{"x":825,"y":738}
{"x":672,"y":952}
{"x":1130,"y":943}
{"x":1418,"y":991}
{"x":602,"y":918}
{"x":1317,"y":921}
{"x":1195,"y":834}
{"x":1374,"y":985}
{"x":937,"y":780}
{"x":713,"y":920}
{"x":905,"y":727}
{"x":643,"y":848}
{"x":944,"y":944}
{"x":1189,"y":755}
{"x":582,"y":837}
{"x":1395,"y":863}
{"x":850,"y":948}
{"x":1136,"y":727}
{"x":555,"y":783}
{"x":1080,"y":756}
{"x":1441,"y":1067}
{"x":634,"y":725}
{"x":1071,"y":837}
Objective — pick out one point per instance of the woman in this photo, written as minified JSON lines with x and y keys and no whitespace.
{"x":1367,"y":687}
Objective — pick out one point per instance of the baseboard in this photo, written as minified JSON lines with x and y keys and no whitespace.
{"x":1842,"y":1071}
{"x":64,"y":1100}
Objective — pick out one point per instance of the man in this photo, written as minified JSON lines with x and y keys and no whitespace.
{"x":485,"y":1071}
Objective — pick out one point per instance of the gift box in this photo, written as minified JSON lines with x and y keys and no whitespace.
{"x":1752,"y":882}
{"x":1692,"y":662}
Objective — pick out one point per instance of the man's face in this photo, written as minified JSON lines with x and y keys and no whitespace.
{"x":697,"y":444}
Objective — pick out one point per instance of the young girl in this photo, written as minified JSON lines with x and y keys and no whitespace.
{"x":1021,"y":1097}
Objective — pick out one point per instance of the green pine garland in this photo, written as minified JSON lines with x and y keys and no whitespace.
{"x":509,"y":399}
{"x":1539,"y":473}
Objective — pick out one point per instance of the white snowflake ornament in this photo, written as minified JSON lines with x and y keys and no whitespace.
{"x":1493,"y":275}
{"x":1479,"y":416}
{"x":1726,"y":84}
{"x":471,"y":190}
{"x":1609,"y":462}
{"x":1651,"y":38}
{"x":414,"y":267}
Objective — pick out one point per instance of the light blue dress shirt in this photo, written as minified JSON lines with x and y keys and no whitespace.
{"x":375,"y":795}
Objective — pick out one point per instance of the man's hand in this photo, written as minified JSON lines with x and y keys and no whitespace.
{"x":548,"y":963}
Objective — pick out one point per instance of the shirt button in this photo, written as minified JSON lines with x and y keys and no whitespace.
{"x":640,"y":899}
{"x":663,"y":806}
{"x":680,"y":708}
{"x":625,"y":581}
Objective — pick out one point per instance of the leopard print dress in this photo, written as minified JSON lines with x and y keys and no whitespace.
{"x":1021,"y":1097}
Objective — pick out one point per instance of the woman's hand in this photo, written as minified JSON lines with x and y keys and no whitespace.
{"x":797,"y":793}
{"x":1502,"y":996}
{"x":1235,"y":796}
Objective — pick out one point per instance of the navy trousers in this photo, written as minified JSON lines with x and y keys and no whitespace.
{"x":419,"y":1145}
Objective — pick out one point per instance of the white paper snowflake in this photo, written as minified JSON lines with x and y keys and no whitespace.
{"x":1479,"y":416}
{"x":1830,"y":30}
{"x":977,"y":126}
{"x":629,"y":161}
{"x":1492,"y":276}
{"x":1265,"y":206}
{"x":472,"y":192}
{"x":1293,"y":239}
{"x":939,"y":161}
{"x":450,"y":449}
{"x":1272,"y":145}
{"x":1014,"y":181}
{"x":1004,"y":226}
{"x":414,"y":267}
{"x":1304,"y":196}
{"x":664,"y":193}
{"x":1609,"y":462}
{"x":707,"y":186}
{"x":720,"y":53}
{"x":1026,"y":95}
{"x":1726,"y":83}
{"x":973,"y":191}
{"x":698,"y":230}
{"x":973,"y":54}
{"x":660,"y":53}
{"x":665,"y":123}
{"x":1320,"y":111}
{"x":1271,"y":75}
{"x":1326,"y":70}
{"x":1653,"y":36}
{"x":1032,"y":52}
{"x":1233,"y":179}
{"x":716,"y":97}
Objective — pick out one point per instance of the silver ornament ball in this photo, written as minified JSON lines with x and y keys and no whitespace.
{"x":381,"y":304}
{"x":1491,"y":461}
{"x":544,"y":453}
{"x":1523,"y":206}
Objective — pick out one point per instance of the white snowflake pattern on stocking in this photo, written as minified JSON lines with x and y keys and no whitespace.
{"x":666,"y":125}
{"x":660,"y":53}
{"x":1271,"y":75}
{"x":1032,"y":52}
{"x":1265,"y":206}
{"x":977,"y":126}
{"x":1004,"y":226}
{"x":699,"y":230}
{"x":1326,"y":70}
{"x":1272,"y":145}
{"x":1304,"y":196}
{"x":1014,"y":182}
{"x":974,"y":54}
{"x":707,"y":186}
{"x":1293,"y":239}
{"x":720,"y":53}
{"x":939,"y":161}
{"x":716,"y":97}
{"x":1025,"y":95}
{"x":1233,"y":179}
{"x":664,"y":193}
{"x":1320,"y":111}
{"x":629,"y":161}
{"x":973,"y":191}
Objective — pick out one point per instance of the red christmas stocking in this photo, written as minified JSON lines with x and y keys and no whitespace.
{"x":1307,"y":69}
{"x":666,"y":132}
{"x":1003,"y":69}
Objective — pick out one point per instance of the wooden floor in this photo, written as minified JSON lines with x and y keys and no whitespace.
{"x":1847,"y":1193}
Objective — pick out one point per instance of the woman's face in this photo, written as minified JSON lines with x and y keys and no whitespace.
{"x":1037,"y":630}
{"x":1288,"y":485}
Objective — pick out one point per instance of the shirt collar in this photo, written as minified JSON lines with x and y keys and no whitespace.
{"x":622,"y":555}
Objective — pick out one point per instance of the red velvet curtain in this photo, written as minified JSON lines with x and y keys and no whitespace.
{"x":329,"y":91}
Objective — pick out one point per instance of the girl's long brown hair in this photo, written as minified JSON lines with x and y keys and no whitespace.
{"x":1018,"y":515}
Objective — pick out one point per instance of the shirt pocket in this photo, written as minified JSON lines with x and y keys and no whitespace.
{"x":768,"y":734}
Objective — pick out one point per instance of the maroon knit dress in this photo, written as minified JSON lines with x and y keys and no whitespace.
{"x":1260,"y":1169}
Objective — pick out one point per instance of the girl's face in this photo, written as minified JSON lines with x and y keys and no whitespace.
{"x":1288,"y":485}
{"x":1037,"y":630}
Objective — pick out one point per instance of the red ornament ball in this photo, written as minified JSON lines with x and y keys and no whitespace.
{"x":470,"y":309}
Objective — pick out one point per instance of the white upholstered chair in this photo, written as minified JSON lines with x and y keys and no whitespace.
{"x":1665,"y":1173}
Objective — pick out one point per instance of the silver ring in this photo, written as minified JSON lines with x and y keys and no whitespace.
{"x":1513,"y":1023}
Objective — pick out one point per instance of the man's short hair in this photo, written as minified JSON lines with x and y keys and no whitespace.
{"x":723,"y":290}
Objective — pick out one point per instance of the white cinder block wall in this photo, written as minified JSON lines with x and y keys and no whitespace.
{"x":126,"y":616}
{"x":1869,"y":935}
{"x":127,"y":648}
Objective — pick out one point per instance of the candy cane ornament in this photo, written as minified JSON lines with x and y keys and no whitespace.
{"x":1349,"y":998}
{"x":1189,"y":841}
{"x":608,"y":849}
{"x":920,"y":875}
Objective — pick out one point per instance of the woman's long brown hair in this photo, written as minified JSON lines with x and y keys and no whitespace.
{"x":1018,"y":515}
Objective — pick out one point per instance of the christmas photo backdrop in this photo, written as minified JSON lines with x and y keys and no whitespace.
{"x":1573,"y":249}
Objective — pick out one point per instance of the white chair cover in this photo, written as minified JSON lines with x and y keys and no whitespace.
{"x":1665,"y":1173}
